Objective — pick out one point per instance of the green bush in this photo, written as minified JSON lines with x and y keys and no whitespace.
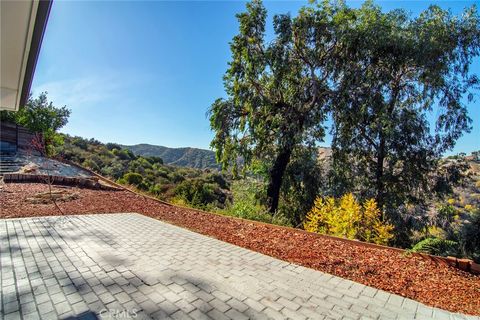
{"x":154,"y":160}
{"x":123,"y":154}
{"x":200,"y":189}
{"x":436,"y":246}
{"x":110,"y":146}
{"x":248,"y":204}
{"x":79,"y":142}
{"x":133,"y":178}
{"x":470,"y":236}
{"x":197,"y":192}
{"x":89,"y":163}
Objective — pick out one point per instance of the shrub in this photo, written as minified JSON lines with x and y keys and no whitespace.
{"x":153,"y":160}
{"x":123,"y":154}
{"x":247,"y":205}
{"x":80,"y":142}
{"x":197,"y":192}
{"x":89,"y":163}
{"x":469,"y":207}
{"x":371,"y":227}
{"x":110,"y":146}
{"x":219,"y":180}
{"x":436,"y":246}
{"x":155,"y":189}
{"x":470,"y":236}
{"x":133,"y":178}
{"x":446,"y":215}
{"x":345,"y":217}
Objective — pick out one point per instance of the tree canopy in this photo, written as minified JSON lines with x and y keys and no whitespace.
{"x":396,"y":73}
{"x":42,"y":117}
{"x":279,"y":91}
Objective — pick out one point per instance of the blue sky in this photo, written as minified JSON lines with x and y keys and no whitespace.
{"x":146,"y":72}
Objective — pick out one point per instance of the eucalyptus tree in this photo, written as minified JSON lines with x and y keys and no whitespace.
{"x":398,"y":73}
{"x":279,"y":91}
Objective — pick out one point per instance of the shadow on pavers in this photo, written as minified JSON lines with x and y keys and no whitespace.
{"x":89,"y":315}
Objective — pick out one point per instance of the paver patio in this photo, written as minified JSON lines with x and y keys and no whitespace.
{"x":131,"y":266}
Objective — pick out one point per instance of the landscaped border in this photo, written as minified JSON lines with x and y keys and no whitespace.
{"x":462,"y":264}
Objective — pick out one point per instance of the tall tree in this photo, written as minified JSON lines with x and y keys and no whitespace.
{"x":398,"y":72}
{"x":279,"y":92}
{"x":42,"y":117}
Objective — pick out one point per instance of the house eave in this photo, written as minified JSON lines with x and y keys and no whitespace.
{"x":23,"y":25}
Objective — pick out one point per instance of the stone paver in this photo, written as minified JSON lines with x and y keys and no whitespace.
{"x":128,"y":266}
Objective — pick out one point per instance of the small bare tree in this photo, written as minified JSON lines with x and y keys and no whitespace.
{"x":37,"y":145}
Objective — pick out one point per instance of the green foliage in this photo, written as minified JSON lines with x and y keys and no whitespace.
{"x":7,"y":116}
{"x":248,"y":196}
{"x":436,"y":246}
{"x":133,"y":178}
{"x":110,"y":146}
{"x":41,"y":116}
{"x":448,"y":174}
{"x":393,"y":71}
{"x":154,"y":160}
{"x":469,"y":236}
{"x":192,"y":187}
{"x":90,"y":164}
{"x":278,"y":91}
{"x":199,"y":193}
{"x":455,"y":232}
{"x":301,"y":185}
{"x":123,"y":154}
{"x":446,"y":214}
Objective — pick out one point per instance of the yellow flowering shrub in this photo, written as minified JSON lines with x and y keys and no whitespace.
{"x":345,"y":217}
{"x":436,"y":232}
{"x":320,"y":217}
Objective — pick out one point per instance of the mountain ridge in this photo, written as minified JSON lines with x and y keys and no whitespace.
{"x":182,"y":157}
{"x":189,"y":156}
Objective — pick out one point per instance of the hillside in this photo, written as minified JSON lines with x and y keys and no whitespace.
{"x":190,"y":186}
{"x":182,"y":157}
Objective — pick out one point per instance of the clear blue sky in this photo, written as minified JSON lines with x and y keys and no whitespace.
{"x":146,"y":72}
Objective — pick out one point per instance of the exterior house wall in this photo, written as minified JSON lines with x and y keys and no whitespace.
{"x":14,"y":138}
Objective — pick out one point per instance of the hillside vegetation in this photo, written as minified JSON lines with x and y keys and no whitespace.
{"x":190,"y":186}
{"x":183,"y":157}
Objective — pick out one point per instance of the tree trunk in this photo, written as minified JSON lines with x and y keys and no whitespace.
{"x":382,"y":152}
{"x":276,"y":177}
{"x":379,"y":173}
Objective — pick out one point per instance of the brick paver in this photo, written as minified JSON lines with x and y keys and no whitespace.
{"x":121,"y":266}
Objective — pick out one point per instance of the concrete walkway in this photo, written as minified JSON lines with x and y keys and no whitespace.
{"x":128,"y":266}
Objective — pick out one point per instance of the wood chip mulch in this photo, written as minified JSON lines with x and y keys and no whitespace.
{"x":417,"y":278}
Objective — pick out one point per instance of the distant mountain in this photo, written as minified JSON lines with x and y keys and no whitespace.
{"x":182,"y":157}
{"x":192,"y":157}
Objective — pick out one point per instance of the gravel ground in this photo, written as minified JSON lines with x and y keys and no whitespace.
{"x":41,"y":165}
{"x":414,"y":277}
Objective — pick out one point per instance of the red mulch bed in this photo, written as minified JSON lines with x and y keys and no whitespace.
{"x":421,"y":279}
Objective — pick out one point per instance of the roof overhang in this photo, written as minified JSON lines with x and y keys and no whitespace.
{"x":23,"y":25}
